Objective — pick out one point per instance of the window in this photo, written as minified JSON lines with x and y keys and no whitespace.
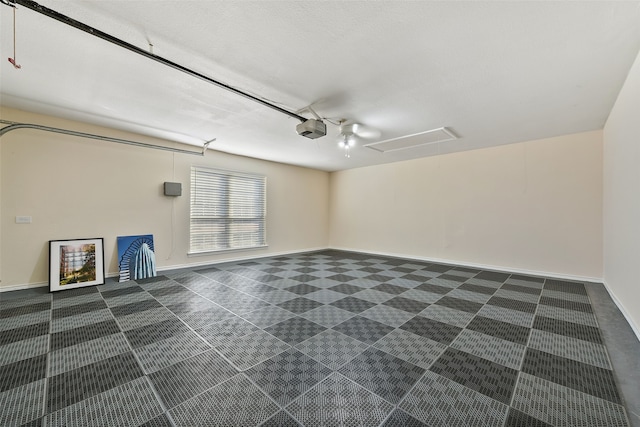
{"x":228,"y":210}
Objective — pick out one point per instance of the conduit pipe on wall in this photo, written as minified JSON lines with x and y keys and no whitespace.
{"x":118,"y":42}
{"x":15,"y":126}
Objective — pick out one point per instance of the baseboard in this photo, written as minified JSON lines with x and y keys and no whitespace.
{"x":480,"y":266}
{"x":625,"y":313}
{"x":180,"y":266}
{"x":240,"y":258}
{"x":23,"y":287}
{"x":387,"y":254}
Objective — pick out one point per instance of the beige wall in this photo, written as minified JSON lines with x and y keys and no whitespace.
{"x":80,"y":188}
{"x":622,"y":199}
{"x":534,"y":206}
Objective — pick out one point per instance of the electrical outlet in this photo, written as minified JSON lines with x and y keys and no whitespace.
{"x":23,"y":220}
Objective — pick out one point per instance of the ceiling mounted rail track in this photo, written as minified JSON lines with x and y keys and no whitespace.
{"x":118,"y":42}
{"x":15,"y":126}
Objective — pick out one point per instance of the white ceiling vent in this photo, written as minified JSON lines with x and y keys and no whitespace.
{"x":412,"y":141}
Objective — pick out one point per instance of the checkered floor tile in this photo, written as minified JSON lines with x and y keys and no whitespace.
{"x":321,"y":338}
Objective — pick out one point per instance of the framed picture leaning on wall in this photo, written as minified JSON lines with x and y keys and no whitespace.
{"x":75,"y":263}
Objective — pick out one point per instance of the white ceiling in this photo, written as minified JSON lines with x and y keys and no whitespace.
{"x":493,"y":72}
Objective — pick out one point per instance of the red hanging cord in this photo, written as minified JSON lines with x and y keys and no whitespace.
{"x":13,"y":60}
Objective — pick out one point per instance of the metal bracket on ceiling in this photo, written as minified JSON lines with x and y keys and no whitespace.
{"x":118,"y":42}
{"x":15,"y":126}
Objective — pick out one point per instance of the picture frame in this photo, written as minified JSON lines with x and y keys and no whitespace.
{"x":75,"y":263}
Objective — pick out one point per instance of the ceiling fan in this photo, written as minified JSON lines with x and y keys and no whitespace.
{"x":350,"y":132}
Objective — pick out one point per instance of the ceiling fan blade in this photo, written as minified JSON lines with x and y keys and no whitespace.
{"x":367,"y":132}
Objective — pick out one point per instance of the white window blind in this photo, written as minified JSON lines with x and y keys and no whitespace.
{"x":228,"y":210}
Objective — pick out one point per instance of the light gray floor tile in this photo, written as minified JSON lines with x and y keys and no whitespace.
{"x":438,"y":401}
{"x":86,"y":353}
{"x":252,"y":349}
{"x":144,"y":318}
{"x":15,"y":322}
{"x":387,"y":315}
{"x":22,"y":404}
{"x":562,"y":406}
{"x":332,"y":348}
{"x":410,"y":347}
{"x":24,"y":349}
{"x":507,"y":315}
{"x":571,"y":348}
{"x":84,"y":319}
{"x":236,"y":402}
{"x":132,"y":403}
{"x":494,"y":349}
{"x":337,"y":401}
{"x":447,"y":315}
{"x":163,"y":353}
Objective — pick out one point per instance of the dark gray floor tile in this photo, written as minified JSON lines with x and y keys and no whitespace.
{"x":477,"y":288}
{"x":136,"y":307}
{"x":287,"y":375}
{"x":149,"y":334}
{"x":23,"y":372}
{"x":435,"y":289}
{"x":562,"y":303}
{"x":74,"y":386}
{"x":183,"y":380}
{"x":23,"y":333}
{"x":452,"y":276}
{"x":503,"y":330}
{"x":382,"y":373}
{"x":154,"y":279}
{"x":337,"y":401}
{"x":526,"y":307}
{"x":24,"y":309}
{"x":82,"y":334}
{"x":295,"y":330}
{"x":112,"y":293}
{"x":71,"y":293}
{"x":491,"y":379}
{"x":346,"y":288}
{"x":443,"y":333}
{"x":363,"y":329}
{"x":460,"y":304}
{"x":236,"y":402}
{"x":574,"y":330}
{"x":78,"y":309}
{"x":565,"y":286}
{"x":520,"y":419}
{"x":299,"y":305}
{"x":399,"y":418}
{"x":352,"y":304}
{"x":406,"y":304}
{"x":302,"y":289}
{"x":583,"y":377}
{"x":390,"y":289}
{"x":281,"y":419}
{"x":492,"y":276}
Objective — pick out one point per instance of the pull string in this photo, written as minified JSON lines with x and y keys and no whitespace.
{"x":13,"y":60}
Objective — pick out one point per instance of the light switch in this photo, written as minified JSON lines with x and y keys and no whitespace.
{"x":23,"y":220}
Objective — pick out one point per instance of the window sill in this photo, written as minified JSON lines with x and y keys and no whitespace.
{"x":221,"y":251}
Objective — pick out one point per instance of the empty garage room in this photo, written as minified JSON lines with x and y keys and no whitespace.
{"x":344,"y":213}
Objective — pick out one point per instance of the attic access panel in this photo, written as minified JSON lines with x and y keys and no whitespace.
{"x":411,"y":141}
